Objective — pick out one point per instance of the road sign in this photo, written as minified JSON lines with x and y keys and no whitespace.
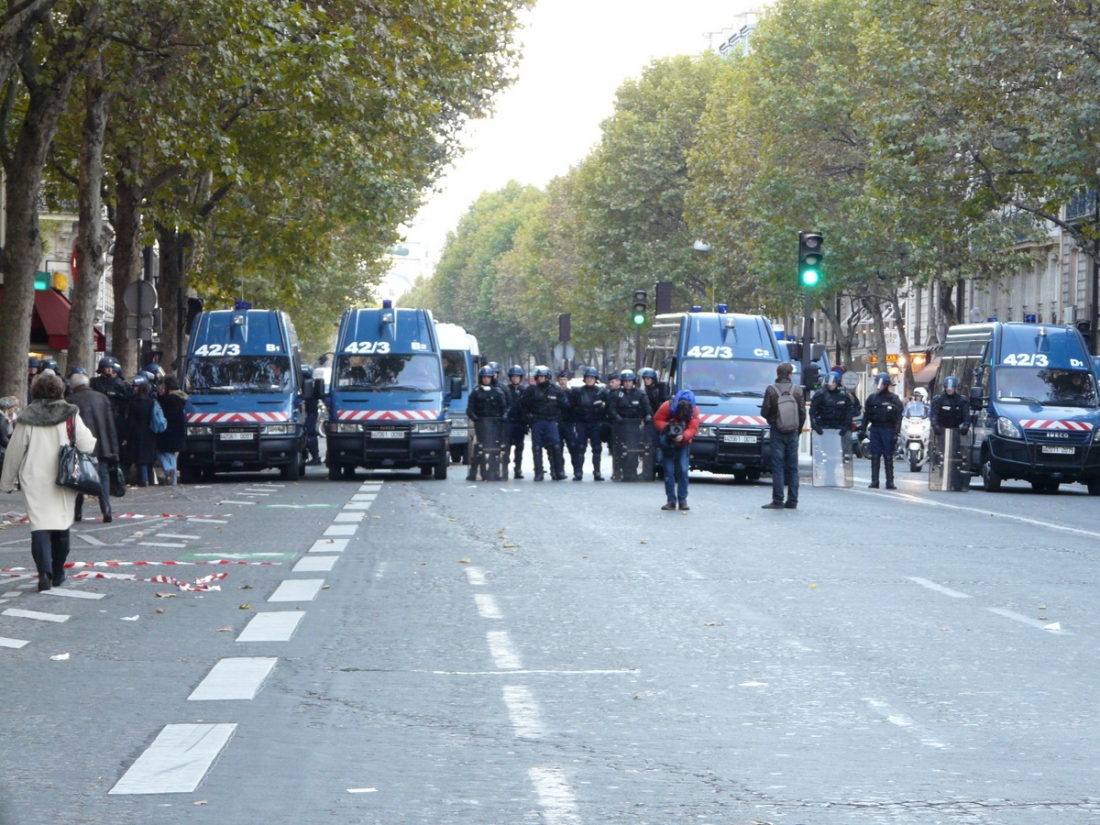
{"x":564,"y":352}
{"x":140,"y":297}
{"x":850,"y":380}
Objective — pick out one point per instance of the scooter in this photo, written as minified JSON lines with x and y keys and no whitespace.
{"x":917,"y":428}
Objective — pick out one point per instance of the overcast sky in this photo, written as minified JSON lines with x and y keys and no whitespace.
{"x":576,"y":53}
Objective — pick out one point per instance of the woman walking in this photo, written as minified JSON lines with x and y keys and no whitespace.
{"x":40,"y":431}
{"x":142,"y":445}
{"x":174,"y":438}
{"x":677,"y":421}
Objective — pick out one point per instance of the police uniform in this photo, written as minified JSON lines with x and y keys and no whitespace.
{"x":542,"y":406}
{"x":950,"y":412}
{"x":486,"y":401}
{"x":626,"y":405}
{"x":567,"y":430}
{"x":588,"y":406}
{"x":883,"y":413}
{"x":120,"y":394}
{"x":516,"y":428}
{"x":832,"y":410}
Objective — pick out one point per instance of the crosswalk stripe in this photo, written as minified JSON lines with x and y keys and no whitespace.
{"x":12,"y":643}
{"x":177,"y":760}
{"x":297,"y":590}
{"x":234,"y":678}
{"x":314,"y":564}
{"x":341,"y":530}
{"x":272,"y":627}
{"x":329,"y":546}
{"x":34,"y":614}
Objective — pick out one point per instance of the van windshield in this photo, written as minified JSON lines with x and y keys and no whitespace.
{"x":238,"y":373}
{"x":1048,"y":387}
{"x":416,"y":373}
{"x":726,"y":377}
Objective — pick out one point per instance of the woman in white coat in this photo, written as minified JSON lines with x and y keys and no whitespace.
{"x":40,"y":431}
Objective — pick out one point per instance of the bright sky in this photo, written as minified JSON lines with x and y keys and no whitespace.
{"x":576,"y":54}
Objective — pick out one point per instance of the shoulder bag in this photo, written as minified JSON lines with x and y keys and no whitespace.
{"x":76,"y":470}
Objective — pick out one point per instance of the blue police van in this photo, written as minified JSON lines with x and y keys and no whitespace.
{"x":242,"y":374}
{"x":1034,"y":397}
{"x":461,"y":359}
{"x":388,"y":400}
{"x":727,"y":361}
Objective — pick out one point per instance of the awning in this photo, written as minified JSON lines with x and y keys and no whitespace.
{"x":928,"y":372}
{"x":50,"y":321}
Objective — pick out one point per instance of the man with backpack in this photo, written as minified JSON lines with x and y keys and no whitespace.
{"x":785,"y":411}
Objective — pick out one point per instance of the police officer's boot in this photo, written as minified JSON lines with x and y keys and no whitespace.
{"x":889,"y":473}
{"x":518,"y":451}
{"x":596,"y":467}
{"x":471,"y":474}
{"x":538,"y":463}
{"x":557,"y":463}
{"x":874,"y":471}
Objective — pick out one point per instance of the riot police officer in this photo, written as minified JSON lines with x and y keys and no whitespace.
{"x":588,"y":405}
{"x":517,"y":425}
{"x":657,"y":396}
{"x":109,"y":381}
{"x":543,"y":403}
{"x":882,"y":412}
{"x":831,"y":408}
{"x":486,"y":401}
{"x":312,"y":406}
{"x":630,"y":403}
{"x":949,"y":409}
{"x":567,"y":429}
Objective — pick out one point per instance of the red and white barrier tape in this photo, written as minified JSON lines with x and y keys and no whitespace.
{"x":79,"y":565}
{"x":198,"y":586}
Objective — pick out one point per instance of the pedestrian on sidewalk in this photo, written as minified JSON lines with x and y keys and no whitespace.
{"x":784,"y":408}
{"x":677,"y":421}
{"x":31,"y":460}
{"x":174,"y":438}
{"x":97,"y":414}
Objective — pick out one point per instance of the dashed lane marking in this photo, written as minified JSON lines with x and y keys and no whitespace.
{"x":1050,"y":627}
{"x":207,"y":520}
{"x":357,"y":505}
{"x":234,"y":679}
{"x":487,"y":606}
{"x":161,"y":544}
{"x":227,"y":501}
{"x":271,"y":627}
{"x":177,"y":760}
{"x":73,"y":594}
{"x":314,"y":564}
{"x":559,"y":806}
{"x":15,"y":612}
{"x":523,"y":711}
{"x":88,"y":539}
{"x":177,"y":536}
{"x":504,"y":654}
{"x":939,"y":588}
{"x":348,"y":518}
{"x":364,"y":497}
{"x":341,"y":530}
{"x":329,"y":546}
{"x":475,"y":576}
{"x":15,"y":644}
{"x":297,"y":590}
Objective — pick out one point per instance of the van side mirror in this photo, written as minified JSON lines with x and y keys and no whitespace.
{"x":977,"y":400}
{"x":456,"y":388}
{"x":309,"y":389}
{"x":318,"y":387}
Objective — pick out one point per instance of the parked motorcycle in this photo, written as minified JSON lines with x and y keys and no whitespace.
{"x":916,"y":429}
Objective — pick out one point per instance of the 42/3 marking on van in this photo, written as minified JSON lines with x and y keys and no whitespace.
{"x":368,"y":347}
{"x":709,"y":352}
{"x":1023,"y":359}
{"x":218,"y":349}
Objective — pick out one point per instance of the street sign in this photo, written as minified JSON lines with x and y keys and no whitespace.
{"x":564,"y":352}
{"x":140,"y":296}
{"x":850,"y":380}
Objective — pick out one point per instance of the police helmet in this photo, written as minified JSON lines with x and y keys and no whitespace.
{"x":50,"y":364}
{"x":33,"y":362}
{"x":516,"y":370}
{"x":592,"y":372}
{"x":105,"y":363}
{"x":883,"y":380}
{"x":628,"y":375}
{"x":494,"y":366}
{"x":486,"y":372}
{"x":307,"y":371}
{"x":565,"y":374}
{"x":951,"y":383}
{"x":833,"y":378}
{"x":614,"y":377}
{"x":648,"y":372}
{"x":77,"y":370}
{"x":921,"y":393}
{"x":155,"y":370}
{"x":141,"y":378}
{"x":543,"y":372}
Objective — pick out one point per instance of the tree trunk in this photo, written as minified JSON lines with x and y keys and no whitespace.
{"x":127,"y":261}
{"x":91,"y":239}
{"x":947,"y":307}
{"x":874,"y":306}
{"x":843,"y":336}
{"x":903,"y":339}
{"x":173,"y":251}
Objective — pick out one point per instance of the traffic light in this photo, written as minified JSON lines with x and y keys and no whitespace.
{"x":810,"y":249}
{"x":640,"y":307}
{"x":564,"y":327}
{"x":662,"y":297}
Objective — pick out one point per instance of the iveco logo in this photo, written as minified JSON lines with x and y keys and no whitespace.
{"x":1057,"y":435}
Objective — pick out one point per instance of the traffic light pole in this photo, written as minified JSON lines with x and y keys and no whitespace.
{"x":807,"y":341}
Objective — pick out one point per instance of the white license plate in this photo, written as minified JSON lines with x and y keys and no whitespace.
{"x":1058,"y":450}
{"x":236,"y":436}
{"x":739,"y":439}
{"x":387,"y":434}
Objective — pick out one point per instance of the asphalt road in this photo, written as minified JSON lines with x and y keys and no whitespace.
{"x":558,"y":653}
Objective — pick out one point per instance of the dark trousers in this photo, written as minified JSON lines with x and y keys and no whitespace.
{"x":313,"y":446}
{"x":517,"y":432}
{"x":784,"y":465}
{"x":588,"y":434}
{"x":50,"y":549}
{"x":882,"y":447}
{"x":104,"y":492}
{"x":677,"y":461}
{"x":567,"y":431}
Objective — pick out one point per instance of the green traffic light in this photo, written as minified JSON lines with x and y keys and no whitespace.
{"x":639,"y":318}
{"x":810,"y":277}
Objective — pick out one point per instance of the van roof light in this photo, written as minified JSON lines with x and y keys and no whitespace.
{"x":696,"y":309}
{"x":238,"y":320}
{"x":387,"y":303}
{"x":722,"y":309}
{"x":1030,"y":318}
{"x":729,"y":322}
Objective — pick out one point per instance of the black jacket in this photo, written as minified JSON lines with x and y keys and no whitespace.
{"x":512,"y":394}
{"x":543,"y":403}
{"x":487,"y":402}
{"x":98,"y":416}
{"x":883,"y":410}
{"x":950,"y":411}
{"x":831,"y":410}
{"x":120,"y":393}
{"x":141,"y":446}
{"x":589,"y":404}
{"x":630,"y":404}
{"x":174,"y":438}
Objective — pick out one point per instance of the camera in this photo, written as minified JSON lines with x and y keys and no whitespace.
{"x":674,"y":429}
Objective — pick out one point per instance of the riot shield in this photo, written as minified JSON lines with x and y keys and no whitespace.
{"x":631,"y":451}
{"x":489,"y":449}
{"x":949,"y":464}
{"x":832,"y":459}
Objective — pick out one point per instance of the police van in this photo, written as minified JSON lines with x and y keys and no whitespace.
{"x":1035,"y":395}
{"x":388,"y":401}
{"x":242,"y":374}
{"x":461,"y":360}
{"x":727,"y":361}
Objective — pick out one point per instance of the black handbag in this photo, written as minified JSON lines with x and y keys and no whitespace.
{"x":118,"y":482}
{"x":76,"y":470}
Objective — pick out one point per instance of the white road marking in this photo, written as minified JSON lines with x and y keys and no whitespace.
{"x":34,"y":614}
{"x":523,"y":710}
{"x":341,"y":530}
{"x":177,"y":760}
{"x":364,"y":497}
{"x":329,"y":546}
{"x":12,"y":643}
{"x":939,"y":588}
{"x":1017,"y":617}
{"x":92,"y":540}
{"x":348,"y":517}
{"x":521,"y":672}
{"x":381,"y":569}
{"x":362,"y":790}
{"x":357,"y":505}
{"x":11,"y":594}
{"x":901,"y":720}
{"x":559,"y":806}
{"x":177,"y":536}
{"x":500,"y":646}
{"x":475,"y":575}
{"x":487,"y":606}
{"x":261,"y":490}
{"x":227,"y":501}
{"x":272,"y":627}
{"x":208,"y":520}
{"x":72,"y":594}
{"x":297,"y":590}
{"x":161,"y":544}
{"x":314,"y":564}
{"x":234,"y":678}
{"x":253,"y":495}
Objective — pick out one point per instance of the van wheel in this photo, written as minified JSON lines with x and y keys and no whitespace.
{"x":458,"y":455}
{"x":441,"y":470}
{"x":189,"y":474}
{"x":740,"y":477}
{"x":1094,"y":488}
{"x":426,"y":470}
{"x":349,"y":471}
{"x":754,"y":475}
{"x":292,"y":471}
{"x":208,"y":476}
{"x":990,"y":477}
{"x":335,"y":472}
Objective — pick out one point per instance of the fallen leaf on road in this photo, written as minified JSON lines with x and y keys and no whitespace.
{"x":245,"y":606}
{"x":60,"y":657}
{"x":326,"y":586}
{"x":166,"y":595}
{"x":245,"y":587}
{"x":813,"y":587}
{"x":713,"y":624}
{"x":201,"y":802}
{"x":507,"y":546}
{"x":463,"y":561}
{"x":224,"y":630}
{"x":160,"y":610}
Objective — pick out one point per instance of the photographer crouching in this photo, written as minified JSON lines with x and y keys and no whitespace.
{"x":677,"y":421}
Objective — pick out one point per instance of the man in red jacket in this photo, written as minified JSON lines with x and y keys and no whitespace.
{"x":677,"y":422}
